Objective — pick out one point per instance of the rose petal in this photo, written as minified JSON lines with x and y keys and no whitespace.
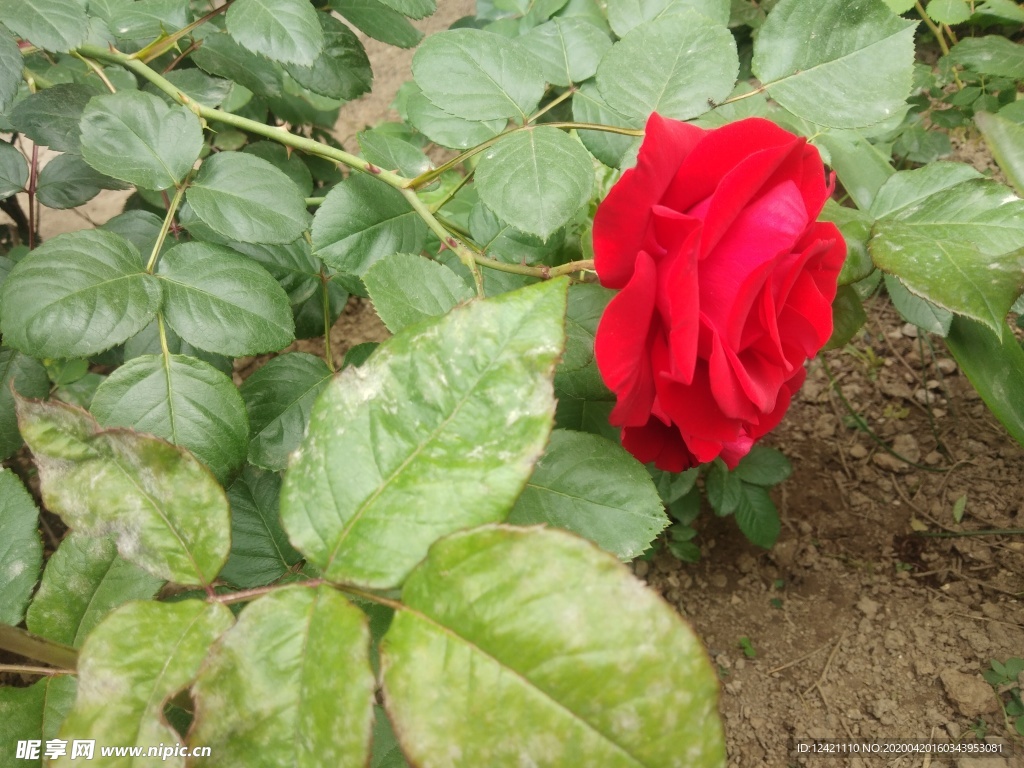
{"x":621,"y":342}
{"x":622,"y":219}
{"x":660,"y":443}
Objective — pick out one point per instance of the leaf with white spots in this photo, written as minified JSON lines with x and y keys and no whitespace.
{"x":124,"y":683}
{"x":166,"y":511}
{"x":532,"y":647}
{"x":437,"y":431}
{"x":289,"y":684}
{"x":21,"y":551}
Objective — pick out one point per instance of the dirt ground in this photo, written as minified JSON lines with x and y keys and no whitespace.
{"x":854,"y":625}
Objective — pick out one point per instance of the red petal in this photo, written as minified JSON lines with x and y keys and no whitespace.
{"x":659,"y":443}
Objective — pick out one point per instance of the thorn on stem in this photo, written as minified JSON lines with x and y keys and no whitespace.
{"x":371,"y":168}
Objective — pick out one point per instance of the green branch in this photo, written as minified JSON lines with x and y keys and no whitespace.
{"x":31,"y":646}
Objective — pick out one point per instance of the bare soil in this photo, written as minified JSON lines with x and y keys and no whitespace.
{"x":854,"y":625}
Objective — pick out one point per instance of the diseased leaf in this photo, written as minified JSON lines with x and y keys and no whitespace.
{"x":592,"y":487}
{"x":586,"y":666}
{"x":437,"y":431}
{"x":406,"y":289}
{"x":34,"y":713}
{"x":840,"y":63}
{"x":26,"y":376}
{"x":245,"y":198}
{"x":139,"y":138}
{"x":76,"y":295}
{"x":21,"y":550}
{"x":260,"y":550}
{"x":296,"y":671}
{"x":167,"y":512}
{"x":183,"y":400}
{"x":287,"y":31}
{"x":278,"y":398}
{"x":84,"y":580}
{"x":144,"y":674}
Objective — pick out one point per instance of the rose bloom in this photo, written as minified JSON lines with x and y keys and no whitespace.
{"x":725,"y":282}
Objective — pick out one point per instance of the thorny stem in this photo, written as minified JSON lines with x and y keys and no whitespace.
{"x":741,"y":96}
{"x":551,"y":105}
{"x":161,"y":45}
{"x":31,"y":646}
{"x":465,"y":255}
{"x":251,"y":594}
{"x":25,"y":669}
{"x":97,"y":70}
{"x":172,"y":209}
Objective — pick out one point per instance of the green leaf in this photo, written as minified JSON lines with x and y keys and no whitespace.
{"x":220,"y":55}
{"x":76,"y":295}
{"x":609,"y":148}
{"x":961,"y":248}
{"x":362,"y":221}
{"x":84,"y":580}
{"x":13,"y":170}
{"x":10,"y":69}
{"x":995,"y":367}
{"x":916,"y":310}
{"x":990,"y":55}
{"x":246,"y":198}
{"x":437,"y":431}
{"x":900,"y":6}
{"x":478,"y":75}
{"x":586,"y":666}
{"x":140,"y":228}
{"x":757,"y":516}
{"x":26,"y":376}
{"x":861,"y":166}
{"x":840,"y":63}
{"x":908,"y":189}
{"x":183,"y":400}
{"x":587,"y":302}
{"x":1005,"y":139}
{"x":378,"y":21}
{"x":446,"y":129}
{"x":34,"y":713}
{"x":166,"y":511}
{"x":279,"y":397}
{"x":292,"y":265}
{"x":1004,"y":10}
{"x":763,"y":466}
{"x":679,"y":65}
{"x":289,"y":684}
{"x":67,"y":181}
{"x":139,"y":138}
{"x":287,"y":31}
{"x":342,"y":70}
{"x":723,"y":488}
{"x":848,"y":316}
{"x":51,"y":116}
{"x":949,"y":11}
{"x":55,"y":25}
{"x":221,"y":301}
{"x":148,"y":341}
{"x":414,"y":9}
{"x":260,"y":551}
{"x":855,"y":225}
{"x":536,"y":179}
{"x":624,"y":15}
{"x":567,"y":50}
{"x":406,"y":289}
{"x":288,"y":163}
{"x":592,"y":487}
{"x":143,"y":19}
{"x":21,"y":550}
{"x":392,"y":154}
{"x":144,"y":674}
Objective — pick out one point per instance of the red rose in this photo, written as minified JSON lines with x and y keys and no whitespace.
{"x":726,"y":286}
